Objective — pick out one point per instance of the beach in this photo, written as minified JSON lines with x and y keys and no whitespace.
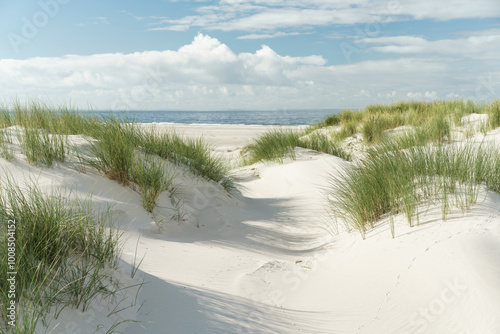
{"x":250,"y":167}
{"x":264,"y":258}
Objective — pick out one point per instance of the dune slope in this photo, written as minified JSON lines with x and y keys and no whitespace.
{"x":262,"y":260}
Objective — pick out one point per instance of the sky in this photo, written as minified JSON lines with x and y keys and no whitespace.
{"x":248,"y":54}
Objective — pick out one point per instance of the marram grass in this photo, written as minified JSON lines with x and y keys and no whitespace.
{"x":391,"y":181}
{"x":115,"y":158}
{"x":194,"y":153}
{"x":432,"y":121}
{"x":153,"y":177}
{"x":40,"y":147}
{"x":438,"y":118}
{"x":64,"y":253}
{"x":114,"y":150}
{"x":280,"y":143}
{"x":274,"y":145}
{"x":115,"y":145}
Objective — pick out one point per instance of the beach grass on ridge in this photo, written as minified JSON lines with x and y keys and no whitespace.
{"x":373,"y":120}
{"x":67,"y":252}
{"x":279,"y":143}
{"x":432,"y":121}
{"x":391,"y":181}
{"x":64,"y":253}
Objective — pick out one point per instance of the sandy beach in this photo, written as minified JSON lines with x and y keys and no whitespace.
{"x":250,"y":167}
{"x":263,"y":259}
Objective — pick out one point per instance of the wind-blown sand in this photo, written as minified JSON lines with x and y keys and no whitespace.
{"x":263,"y":261}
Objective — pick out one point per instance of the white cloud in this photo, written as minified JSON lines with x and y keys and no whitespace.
{"x":413,"y":95}
{"x":365,"y":93}
{"x":100,"y":20}
{"x":270,"y":15}
{"x":207,"y":74}
{"x":476,"y":47}
{"x":267,"y":36}
{"x":451,"y":9}
{"x":419,"y":95}
{"x":430,"y":95}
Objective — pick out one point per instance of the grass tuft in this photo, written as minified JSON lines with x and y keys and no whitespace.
{"x":438,"y":129}
{"x":437,"y":118}
{"x":279,"y":143}
{"x":348,"y":129}
{"x":63,"y":253}
{"x":6,"y":150}
{"x":323,"y":143}
{"x":494,"y":114}
{"x":194,"y":153}
{"x":42,"y":148}
{"x":114,"y":151}
{"x":274,"y":146}
{"x":152,"y":176}
{"x":398,"y":181}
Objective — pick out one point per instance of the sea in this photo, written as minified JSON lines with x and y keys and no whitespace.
{"x":233,"y":117}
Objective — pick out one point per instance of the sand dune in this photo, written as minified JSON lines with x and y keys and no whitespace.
{"x":261,"y":260}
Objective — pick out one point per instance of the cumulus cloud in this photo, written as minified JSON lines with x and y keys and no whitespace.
{"x":207,"y":74}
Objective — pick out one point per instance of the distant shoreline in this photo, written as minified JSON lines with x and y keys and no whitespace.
{"x":257,"y":118}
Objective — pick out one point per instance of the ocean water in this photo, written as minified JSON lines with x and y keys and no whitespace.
{"x":276,"y":117}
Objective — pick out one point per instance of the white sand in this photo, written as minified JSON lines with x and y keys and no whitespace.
{"x":261,"y":260}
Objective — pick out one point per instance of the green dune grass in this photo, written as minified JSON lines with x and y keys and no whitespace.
{"x":64,"y":253}
{"x":391,"y":181}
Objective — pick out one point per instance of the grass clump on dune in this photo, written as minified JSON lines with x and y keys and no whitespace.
{"x":6,"y":150}
{"x":114,"y":146}
{"x":55,"y":120}
{"x":438,"y":118}
{"x":400,"y":181}
{"x":64,"y":254}
{"x":373,"y":129}
{"x":114,"y":153}
{"x":323,"y":143}
{"x":274,"y":145}
{"x":438,"y":128}
{"x":114,"y":150}
{"x":40,"y":147}
{"x":494,"y":114}
{"x":115,"y":159}
{"x":196,"y":154}
{"x":153,"y":178}
{"x":347,"y":129}
{"x":279,"y":143}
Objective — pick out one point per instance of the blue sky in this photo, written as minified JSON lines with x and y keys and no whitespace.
{"x":242,"y":54}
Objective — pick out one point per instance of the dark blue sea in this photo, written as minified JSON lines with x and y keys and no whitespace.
{"x":276,"y":117}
